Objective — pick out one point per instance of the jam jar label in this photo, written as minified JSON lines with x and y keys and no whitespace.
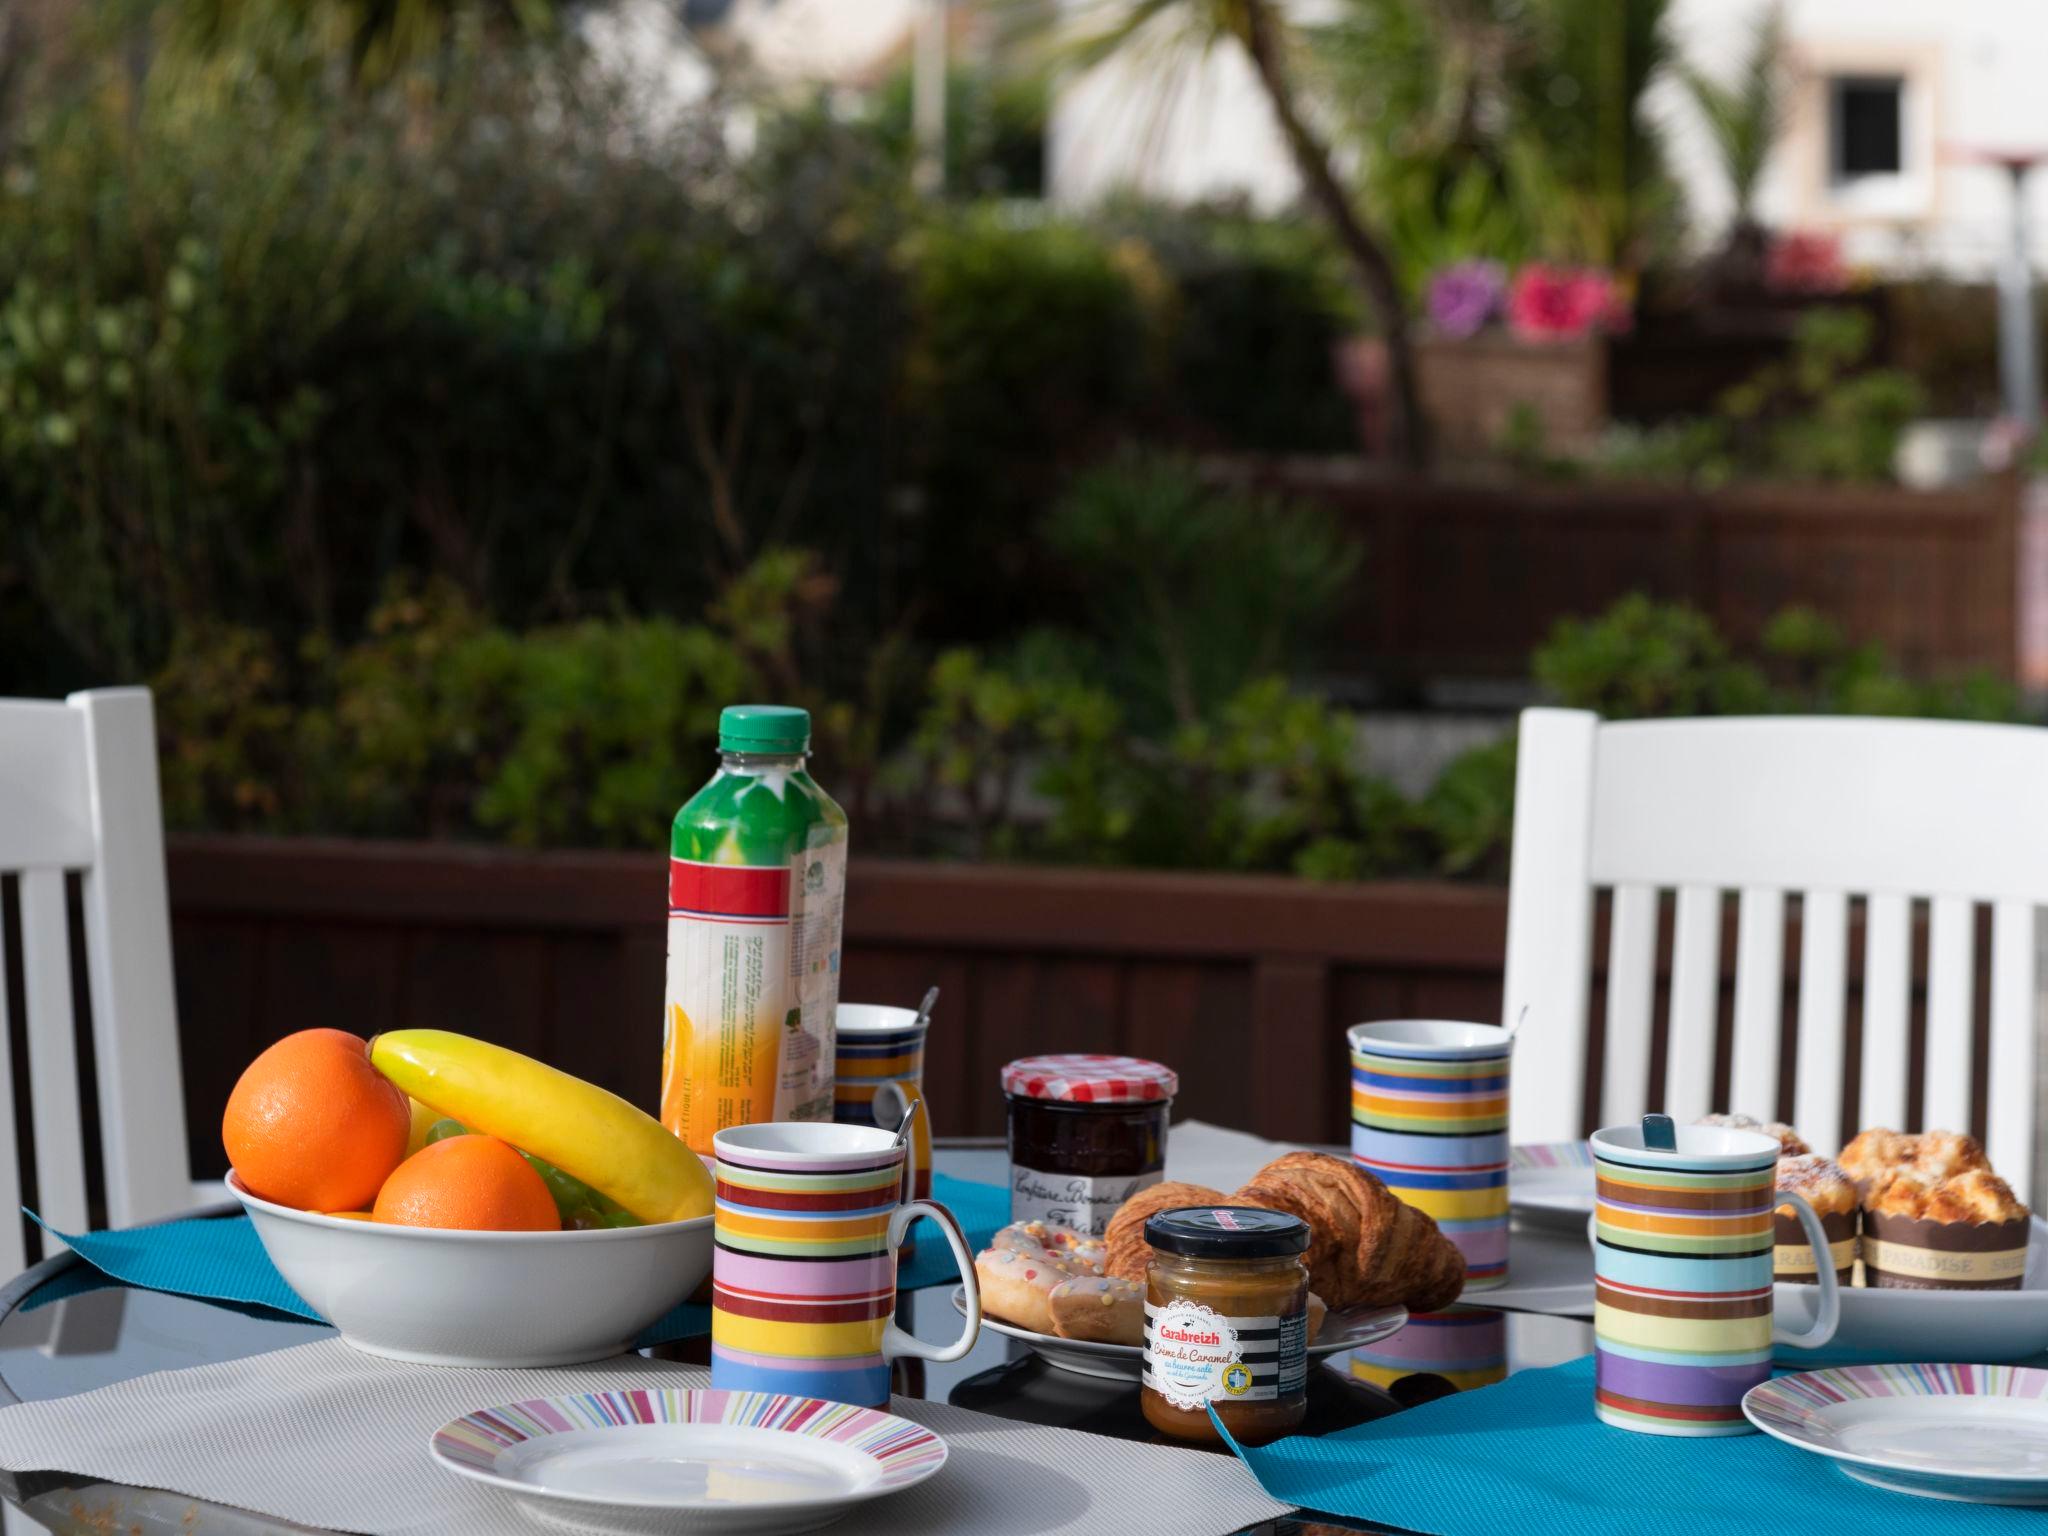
{"x":1195,"y":1355}
{"x":1072,"y":1201}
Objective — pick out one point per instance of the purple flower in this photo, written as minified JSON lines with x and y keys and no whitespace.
{"x":1465,"y":297}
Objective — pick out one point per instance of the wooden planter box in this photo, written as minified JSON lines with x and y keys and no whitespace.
{"x":1473,"y":390}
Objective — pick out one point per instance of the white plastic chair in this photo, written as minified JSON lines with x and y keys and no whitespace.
{"x":1830,"y":810}
{"x":78,"y":792}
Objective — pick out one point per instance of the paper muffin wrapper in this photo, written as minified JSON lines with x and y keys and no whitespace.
{"x":1794,"y":1259}
{"x":1913,"y":1254}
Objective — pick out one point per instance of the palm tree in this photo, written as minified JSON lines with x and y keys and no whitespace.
{"x":1173,"y":32}
{"x":1744,"y":116}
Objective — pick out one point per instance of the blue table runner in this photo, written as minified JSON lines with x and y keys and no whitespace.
{"x":1527,"y":1458}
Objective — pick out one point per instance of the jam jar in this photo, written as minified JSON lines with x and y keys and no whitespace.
{"x":1226,"y":1322}
{"x":1086,"y":1133}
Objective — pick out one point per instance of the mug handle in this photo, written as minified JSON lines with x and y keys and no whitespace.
{"x":897,"y":1343}
{"x":1829,"y":1313}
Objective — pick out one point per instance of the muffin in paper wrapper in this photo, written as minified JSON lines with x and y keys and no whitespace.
{"x":1910,"y":1253}
{"x":1793,"y":1259}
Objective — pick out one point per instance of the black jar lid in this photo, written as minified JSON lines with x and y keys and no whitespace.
{"x":1227,"y":1232}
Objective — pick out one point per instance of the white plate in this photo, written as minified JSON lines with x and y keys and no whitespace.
{"x":1997,"y":1327}
{"x":706,"y":1461}
{"x":1550,"y":1184}
{"x":1126,"y":1362}
{"x":1972,"y":1432}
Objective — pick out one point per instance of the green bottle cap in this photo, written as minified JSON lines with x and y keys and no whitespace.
{"x":763,"y":728}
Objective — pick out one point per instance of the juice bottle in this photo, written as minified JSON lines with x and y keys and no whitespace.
{"x":756,"y":891}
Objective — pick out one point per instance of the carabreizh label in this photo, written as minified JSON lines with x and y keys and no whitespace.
{"x":1195,"y":1355}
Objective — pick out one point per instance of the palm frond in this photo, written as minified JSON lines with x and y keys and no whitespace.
{"x":1745,"y":116}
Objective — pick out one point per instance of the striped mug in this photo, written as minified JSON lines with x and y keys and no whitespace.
{"x":1429,"y":1115}
{"x":1683,"y":1242}
{"x":879,"y":1073}
{"x":803,"y":1277}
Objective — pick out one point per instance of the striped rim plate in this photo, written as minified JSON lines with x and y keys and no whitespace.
{"x":1551,"y":1183}
{"x":1975,"y":1432}
{"x":725,"y":1460}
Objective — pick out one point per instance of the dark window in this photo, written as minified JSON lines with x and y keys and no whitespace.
{"x":1864,"y":125}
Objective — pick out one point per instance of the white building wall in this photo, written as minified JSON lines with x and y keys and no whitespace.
{"x":1976,"y":72}
{"x":1976,"y":75}
{"x":1198,"y":132}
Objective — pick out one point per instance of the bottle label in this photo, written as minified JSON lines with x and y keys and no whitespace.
{"x":753,"y":984}
{"x":1071,"y":1201}
{"x":817,"y":911}
{"x":1195,"y":1355}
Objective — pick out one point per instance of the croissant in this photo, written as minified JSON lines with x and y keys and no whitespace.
{"x":1126,"y":1253}
{"x":1366,"y":1248}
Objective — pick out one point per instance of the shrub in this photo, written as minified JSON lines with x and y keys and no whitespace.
{"x":265,"y":348}
{"x":1192,"y":589}
{"x":1821,"y":415}
{"x":1643,"y":658}
{"x":1247,"y":298}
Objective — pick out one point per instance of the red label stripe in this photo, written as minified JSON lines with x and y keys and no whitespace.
{"x":801,"y":1200}
{"x":803,"y":1310}
{"x":728,"y":890}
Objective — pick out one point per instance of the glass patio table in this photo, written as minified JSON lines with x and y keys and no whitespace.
{"x":116,"y":1333}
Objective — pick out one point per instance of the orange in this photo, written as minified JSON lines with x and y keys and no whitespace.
{"x":477,"y":1183}
{"x":311,"y":1124}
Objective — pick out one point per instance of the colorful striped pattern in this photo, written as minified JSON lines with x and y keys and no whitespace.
{"x":1552,"y":1154}
{"x":1436,"y":1133}
{"x":803,"y":1280}
{"x":906,"y":1452}
{"x":867,"y":1059}
{"x":1467,"y":1348}
{"x":1682,"y":1293}
{"x":1797,"y":1404}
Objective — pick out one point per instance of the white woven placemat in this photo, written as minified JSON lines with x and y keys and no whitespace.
{"x":326,"y":1436}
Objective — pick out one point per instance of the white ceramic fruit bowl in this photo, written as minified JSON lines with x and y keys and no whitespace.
{"x":482,"y":1298}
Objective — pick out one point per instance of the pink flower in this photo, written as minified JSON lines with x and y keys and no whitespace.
{"x":1547,"y":303}
{"x":1806,"y":263}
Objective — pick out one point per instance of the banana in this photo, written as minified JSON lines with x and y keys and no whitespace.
{"x":586,"y":1132}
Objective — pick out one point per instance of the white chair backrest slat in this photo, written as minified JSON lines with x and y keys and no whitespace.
{"x":1879,"y":811}
{"x":13,"y":1250}
{"x":1823,"y":993}
{"x":78,"y":792}
{"x":52,"y":1052}
{"x":1759,"y":998}
{"x":45,"y":822}
{"x":1550,"y":940}
{"x":128,"y":957}
{"x":1631,"y":996}
{"x":1695,"y":1003}
{"x":1951,"y":995}
{"x":1887,"y":1008}
{"x":2013,"y":1088}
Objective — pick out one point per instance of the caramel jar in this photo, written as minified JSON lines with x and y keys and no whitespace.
{"x":1226,"y":1322}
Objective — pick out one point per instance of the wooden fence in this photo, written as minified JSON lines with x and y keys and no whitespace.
{"x":1243,"y":983}
{"x":1461,"y":578}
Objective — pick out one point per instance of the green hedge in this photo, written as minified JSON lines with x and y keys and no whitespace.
{"x":270,"y":339}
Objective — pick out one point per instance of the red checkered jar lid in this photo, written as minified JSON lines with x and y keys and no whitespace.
{"x":1090,"y":1079}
